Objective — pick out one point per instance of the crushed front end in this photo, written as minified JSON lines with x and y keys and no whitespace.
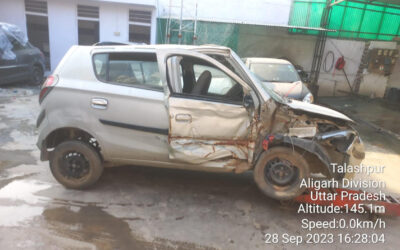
{"x":324,"y":140}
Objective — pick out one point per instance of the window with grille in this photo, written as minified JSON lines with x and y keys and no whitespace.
{"x":139,"y":26}
{"x":36,"y":6}
{"x":88,"y":24}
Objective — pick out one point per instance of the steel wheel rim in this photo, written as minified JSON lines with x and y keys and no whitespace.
{"x":74,"y":166}
{"x":281,"y":172}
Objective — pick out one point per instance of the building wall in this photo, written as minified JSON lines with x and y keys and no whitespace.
{"x":394,"y":78}
{"x":333,"y":82}
{"x":63,"y":31}
{"x":251,"y":11}
{"x":13,"y":11}
{"x":374,"y":85}
{"x":63,"y":21}
{"x":114,"y":24}
{"x":261,"y":41}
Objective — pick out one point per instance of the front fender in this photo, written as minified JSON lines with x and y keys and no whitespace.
{"x":310,"y":146}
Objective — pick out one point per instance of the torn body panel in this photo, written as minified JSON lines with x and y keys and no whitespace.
{"x":327,"y":140}
{"x":203,"y":131}
{"x":200,"y":151}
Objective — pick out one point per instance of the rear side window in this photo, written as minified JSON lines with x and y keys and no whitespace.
{"x":129,"y":69}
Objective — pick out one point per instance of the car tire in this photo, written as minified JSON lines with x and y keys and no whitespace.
{"x":37,"y":77}
{"x":279,"y":172}
{"x":75,"y":164}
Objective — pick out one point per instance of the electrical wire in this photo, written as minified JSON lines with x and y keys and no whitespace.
{"x":330,"y":52}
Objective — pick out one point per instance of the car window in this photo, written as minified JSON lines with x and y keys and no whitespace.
{"x":275,"y":72}
{"x":16,"y":45}
{"x":100,"y":66}
{"x":130,"y":69}
{"x":220,"y":82}
{"x":200,"y":79}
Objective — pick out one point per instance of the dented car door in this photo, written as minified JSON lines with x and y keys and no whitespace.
{"x":206,"y":122}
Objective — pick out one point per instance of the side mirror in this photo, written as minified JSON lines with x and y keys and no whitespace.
{"x":248,"y":101}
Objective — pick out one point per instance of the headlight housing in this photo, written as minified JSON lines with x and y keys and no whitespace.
{"x":309,"y":98}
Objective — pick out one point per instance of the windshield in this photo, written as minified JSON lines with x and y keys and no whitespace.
{"x":267,"y":90}
{"x":272,"y":93}
{"x":275,"y":72}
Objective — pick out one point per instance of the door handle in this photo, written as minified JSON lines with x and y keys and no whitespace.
{"x":183,"y":118}
{"x":99,"y":103}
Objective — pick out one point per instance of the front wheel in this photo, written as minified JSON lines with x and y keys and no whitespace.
{"x":279,"y":172}
{"x":75,"y":164}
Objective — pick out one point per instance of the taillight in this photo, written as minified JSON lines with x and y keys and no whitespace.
{"x":47,"y":86}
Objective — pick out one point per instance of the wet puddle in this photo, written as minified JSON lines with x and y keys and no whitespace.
{"x":24,"y":190}
{"x":12,"y":216}
{"x":91,"y":224}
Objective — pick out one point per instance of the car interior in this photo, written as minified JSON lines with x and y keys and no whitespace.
{"x":199,"y":78}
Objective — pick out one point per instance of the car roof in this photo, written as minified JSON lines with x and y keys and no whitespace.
{"x":266,"y":60}
{"x":130,"y":47}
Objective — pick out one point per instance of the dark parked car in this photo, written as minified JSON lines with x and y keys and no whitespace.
{"x":19,"y":60}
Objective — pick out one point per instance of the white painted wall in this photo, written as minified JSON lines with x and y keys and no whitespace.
{"x":137,"y":2}
{"x":63,"y":31}
{"x":114,"y":22}
{"x":250,"y":11}
{"x":13,"y":11}
{"x":333,"y":83}
{"x":374,"y":85}
{"x":114,"y":25}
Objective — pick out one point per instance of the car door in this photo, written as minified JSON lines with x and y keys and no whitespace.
{"x":10,"y":69}
{"x":23,"y":60}
{"x":206,"y":126}
{"x":128,"y":102}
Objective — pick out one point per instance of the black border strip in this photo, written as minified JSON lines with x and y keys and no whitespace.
{"x":135,"y":127}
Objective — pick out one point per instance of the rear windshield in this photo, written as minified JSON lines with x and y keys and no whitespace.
{"x":130,"y":69}
{"x":274,"y":72}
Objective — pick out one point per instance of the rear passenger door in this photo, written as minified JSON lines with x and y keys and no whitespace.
{"x":130,"y":106}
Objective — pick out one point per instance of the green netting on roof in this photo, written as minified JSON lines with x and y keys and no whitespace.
{"x":352,"y":20}
{"x":225,"y":34}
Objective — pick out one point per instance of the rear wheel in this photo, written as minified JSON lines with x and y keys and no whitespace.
{"x":279,"y":172}
{"x":75,"y":164}
{"x":37,"y":75}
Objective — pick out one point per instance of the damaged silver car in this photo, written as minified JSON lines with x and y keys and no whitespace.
{"x":189,"y":107}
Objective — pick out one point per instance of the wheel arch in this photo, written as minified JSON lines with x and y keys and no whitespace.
{"x":315,"y":154}
{"x":60,"y":135}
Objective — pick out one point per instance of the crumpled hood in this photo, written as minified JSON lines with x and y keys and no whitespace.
{"x":317,"y":109}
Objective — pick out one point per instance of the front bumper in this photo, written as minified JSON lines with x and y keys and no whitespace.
{"x":356,"y":151}
{"x":356,"y":154}
{"x":349,"y":143}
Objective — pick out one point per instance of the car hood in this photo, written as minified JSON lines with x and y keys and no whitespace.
{"x":317,"y":109}
{"x":288,"y":89}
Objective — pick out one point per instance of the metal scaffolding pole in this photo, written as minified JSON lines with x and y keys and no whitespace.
{"x":195,"y":27}
{"x":168,"y":26}
{"x":180,"y":25}
{"x":319,"y":49}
